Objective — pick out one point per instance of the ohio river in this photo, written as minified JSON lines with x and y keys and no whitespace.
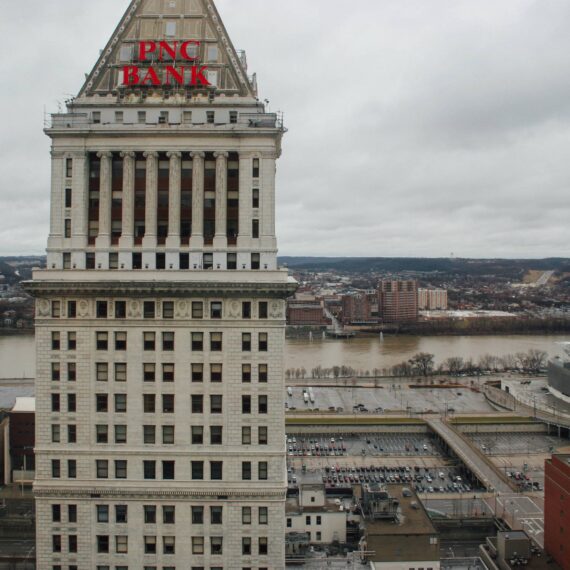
{"x":17,"y":353}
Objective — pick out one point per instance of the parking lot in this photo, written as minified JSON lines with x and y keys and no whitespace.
{"x":517,"y":443}
{"x":369,"y":445}
{"x":386,"y":398}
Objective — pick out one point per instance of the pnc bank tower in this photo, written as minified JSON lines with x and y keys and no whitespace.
{"x":160,"y":317}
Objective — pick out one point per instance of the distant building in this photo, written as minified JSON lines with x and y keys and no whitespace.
{"x":399,"y":534}
{"x":559,"y":376}
{"x":306,"y":313}
{"x":398,"y":301}
{"x":557,"y":508}
{"x":18,"y":429}
{"x":432,"y":299}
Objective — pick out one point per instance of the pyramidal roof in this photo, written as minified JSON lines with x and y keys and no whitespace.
{"x":183,"y":44}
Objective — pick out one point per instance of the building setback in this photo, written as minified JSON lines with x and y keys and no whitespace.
{"x":557,"y":508}
{"x":160,"y":318}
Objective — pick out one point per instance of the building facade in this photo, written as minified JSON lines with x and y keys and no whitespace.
{"x":160,"y":318}
{"x":398,"y":301}
{"x":432,"y":299}
{"x":557,"y":508}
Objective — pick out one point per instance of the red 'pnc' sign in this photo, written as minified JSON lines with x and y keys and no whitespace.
{"x":192,"y":74}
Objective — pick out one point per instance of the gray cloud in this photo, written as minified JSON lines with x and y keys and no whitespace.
{"x":415,"y":128}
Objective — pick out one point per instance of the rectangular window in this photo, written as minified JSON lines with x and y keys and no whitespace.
{"x":102,"y":371}
{"x":197,"y":470}
{"x":255,"y":261}
{"x":101,"y":403}
{"x":246,"y":404}
{"x":168,"y":470}
{"x":68,"y":167}
{"x":71,"y":341}
{"x":120,"y":469}
{"x":71,"y":433}
{"x":71,"y":311}
{"x":215,"y":342}
{"x":255,"y":198}
{"x":168,"y":403}
{"x":232,"y":261}
{"x":197,"y":515}
{"x":102,"y":341}
{"x":149,"y":309}
{"x":149,"y":469}
{"x":55,"y":340}
{"x":255,"y":229}
{"x":149,"y":341}
{"x":216,"y":404}
{"x":208,"y":258}
{"x":197,"y":435}
{"x":263,"y":342}
{"x":233,"y":117}
{"x":187,"y":117}
{"x":263,"y":470}
{"x":263,"y":513}
{"x":216,"y":515}
{"x":246,"y":373}
{"x":55,"y":468}
{"x":68,"y":197}
{"x":71,"y":371}
{"x":67,"y":229}
{"x":263,"y":546}
{"x":246,"y":546}
{"x":197,"y":342}
{"x":262,"y":405}
{"x":72,"y":513}
{"x":149,"y":403}
{"x":168,"y":544}
{"x":246,"y":342}
{"x":120,"y":341}
{"x":216,"y":435}
{"x":56,"y":309}
{"x":56,"y":513}
{"x":55,"y":371}
{"x":141,"y":117}
{"x":263,"y":309}
{"x":255,"y":172}
{"x":216,"y":544}
{"x":168,"y":372}
{"x":102,"y":544}
{"x":246,"y":470}
{"x":149,"y":514}
{"x":168,"y":310}
{"x":168,"y":435}
{"x":197,"y":372}
{"x":55,"y":402}
{"x":215,"y":373}
{"x":55,"y":433}
{"x":168,"y":341}
{"x":114,"y":256}
{"x":121,"y":544}
{"x":246,"y":310}
{"x":246,"y":515}
{"x":210,"y":117}
{"x":102,"y":433}
{"x":120,"y":309}
{"x":56,"y":543}
{"x":102,"y":466}
{"x":149,"y":372}
{"x":262,"y":373}
{"x":120,"y":403}
{"x":198,"y":545}
{"x":216,"y":310}
{"x":121,"y":514}
{"x":216,"y":470}
{"x":120,"y":372}
{"x":149,"y":434}
{"x":197,"y":310}
{"x":246,"y":435}
{"x":197,"y":403}
{"x":102,"y":309}
{"x":263,"y":435}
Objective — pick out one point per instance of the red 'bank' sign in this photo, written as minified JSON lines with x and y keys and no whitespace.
{"x":150,"y":51}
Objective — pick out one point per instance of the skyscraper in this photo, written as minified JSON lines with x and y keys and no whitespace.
{"x":160,"y":317}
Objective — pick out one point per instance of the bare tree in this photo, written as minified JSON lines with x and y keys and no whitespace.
{"x":423,"y":363}
{"x":454,"y":365}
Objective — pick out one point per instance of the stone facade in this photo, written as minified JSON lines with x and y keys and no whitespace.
{"x":160,"y":438}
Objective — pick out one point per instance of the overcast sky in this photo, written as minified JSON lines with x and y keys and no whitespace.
{"x":416,"y":127}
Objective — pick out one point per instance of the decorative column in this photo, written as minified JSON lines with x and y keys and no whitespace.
{"x":79,"y":209}
{"x":151,"y":201}
{"x":55,"y":240}
{"x":221,"y":235}
{"x":197,"y":238}
{"x":245,"y":199}
{"x":267,"y":192}
{"x":103,"y":240}
{"x":127,"y":241}
{"x":174,"y":200}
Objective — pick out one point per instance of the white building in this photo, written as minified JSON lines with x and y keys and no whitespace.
{"x":432,"y":299}
{"x":160,"y":317}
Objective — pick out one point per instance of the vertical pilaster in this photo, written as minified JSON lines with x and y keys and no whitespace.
{"x":174,"y":197}
{"x":197,"y":238}
{"x":126,"y":242}
{"x":55,"y":239}
{"x":103,"y":241}
{"x":79,"y":209}
{"x":245,"y":199}
{"x":151,"y":200}
{"x":221,"y":235}
{"x":267,"y":191}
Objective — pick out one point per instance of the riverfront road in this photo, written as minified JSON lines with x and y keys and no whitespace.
{"x":487,"y":474}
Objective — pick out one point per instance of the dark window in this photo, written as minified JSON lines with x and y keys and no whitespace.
{"x":90,"y":260}
{"x":161,"y":257}
{"x":121,"y":512}
{"x":246,"y":342}
{"x":197,"y":404}
{"x":55,"y":340}
{"x":216,"y":404}
{"x":216,"y":515}
{"x":215,"y":373}
{"x":263,"y":406}
{"x":72,"y":513}
{"x":216,"y":342}
{"x":263,"y":342}
{"x":255,"y":261}
{"x":168,"y":470}
{"x":68,"y":197}
{"x":255,"y":172}
{"x":262,"y":470}
{"x":120,"y":309}
{"x":168,"y":403}
{"x":216,"y":435}
{"x":71,"y":433}
{"x":246,"y":470}
{"x":102,"y":308}
{"x":71,"y":309}
{"x":168,"y":341}
{"x":149,"y":372}
{"x":185,"y":257}
{"x":149,"y":310}
{"x":149,"y":403}
{"x":263,"y":546}
{"x":263,"y":374}
{"x":197,"y":310}
{"x":263,"y":309}
{"x":102,"y":403}
{"x":197,"y":372}
{"x":197,"y":470}
{"x":120,"y":341}
{"x":55,"y":468}
{"x":168,"y":310}
{"x":102,"y":544}
{"x":255,"y":229}
{"x":137,"y":260}
{"x":149,"y":514}
{"x":255,"y":198}
{"x":102,"y":466}
{"x":55,"y":371}
{"x":55,"y":403}
{"x":246,"y":310}
{"x":216,"y":470}
{"x":216,"y":310}
{"x":232,"y":261}
{"x":56,"y":543}
{"x":71,"y":371}
{"x":246,"y":404}
{"x":149,"y":341}
{"x":102,"y":342}
{"x":197,"y":515}
{"x":168,"y":372}
{"x":149,"y":469}
{"x":197,"y":342}
{"x":197,"y":435}
{"x":246,"y":373}
{"x":120,"y":469}
{"x":262,"y":435}
{"x":56,"y":513}
{"x":102,"y":433}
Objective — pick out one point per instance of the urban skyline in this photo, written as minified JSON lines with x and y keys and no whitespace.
{"x":459,"y":102}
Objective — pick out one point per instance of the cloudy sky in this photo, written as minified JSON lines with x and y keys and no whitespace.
{"x":416,"y":127}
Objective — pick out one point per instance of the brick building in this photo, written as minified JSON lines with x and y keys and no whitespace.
{"x":398,"y":301}
{"x":432,"y":299}
{"x":557,"y":508}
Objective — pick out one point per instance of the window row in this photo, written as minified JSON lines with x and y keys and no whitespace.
{"x":200,"y":470}
{"x":159,"y":309}
{"x":149,"y":372}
